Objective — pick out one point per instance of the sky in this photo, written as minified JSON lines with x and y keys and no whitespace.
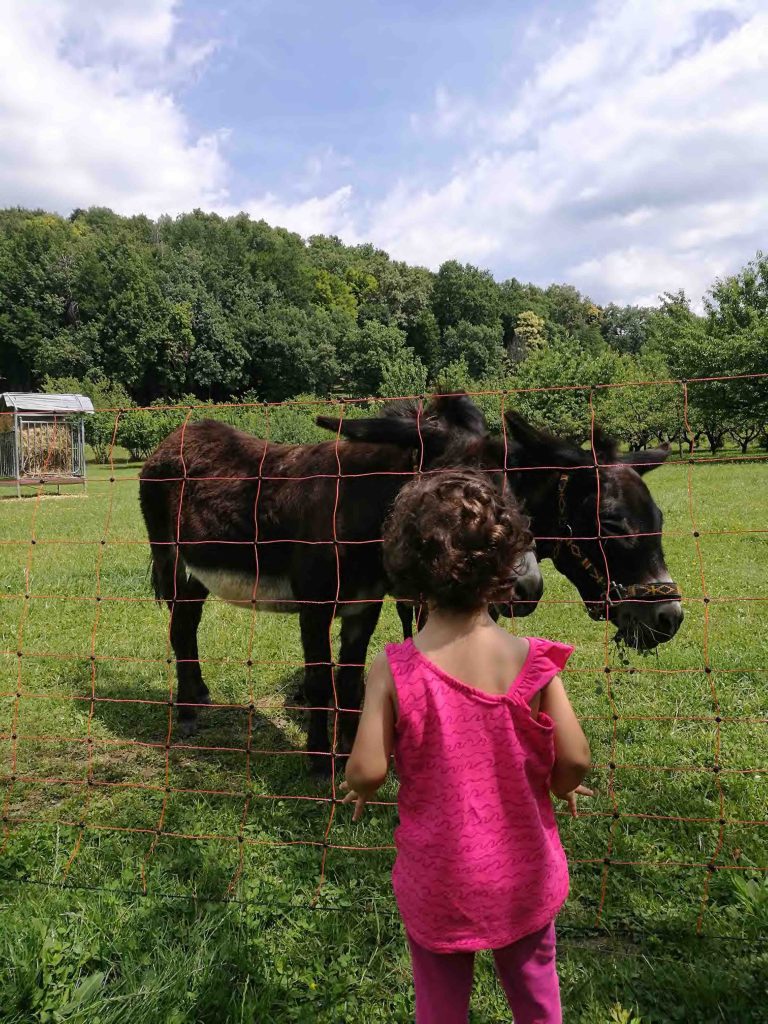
{"x":617,"y":145}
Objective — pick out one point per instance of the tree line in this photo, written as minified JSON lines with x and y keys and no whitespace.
{"x":134,"y":311}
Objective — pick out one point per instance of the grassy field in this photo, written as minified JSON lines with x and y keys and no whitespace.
{"x":183,"y":882}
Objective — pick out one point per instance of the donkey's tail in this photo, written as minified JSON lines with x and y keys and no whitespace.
{"x":154,"y":501}
{"x":163,"y":568}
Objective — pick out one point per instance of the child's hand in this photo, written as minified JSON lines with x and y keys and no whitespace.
{"x":358,"y":799}
{"x":570,"y":798}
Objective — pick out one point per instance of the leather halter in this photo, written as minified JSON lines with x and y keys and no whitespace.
{"x":612,"y":592}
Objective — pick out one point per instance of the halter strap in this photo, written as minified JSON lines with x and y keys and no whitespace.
{"x":612,"y":591}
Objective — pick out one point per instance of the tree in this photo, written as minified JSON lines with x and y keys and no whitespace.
{"x":478,"y":345}
{"x":404,"y":296}
{"x":625,"y":328}
{"x":371,"y":352}
{"x":570,"y":314}
{"x":552,"y":387}
{"x":674,"y":332}
{"x":334,"y":293}
{"x":739,"y":304}
{"x":292,"y":353}
{"x":404,"y":376}
{"x":516,"y":298}
{"x":222,"y":306}
{"x":109,"y":400}
{"x":737,"y":322}
{"x":453,"y":378}
{"x":718,"y":347}
{"x":423,"y":337}
{"x":37,"y":254}
{"x":142,"y":430}
{"x":528,"y":335}
{"x":364,"y":286}
{"x":464,"y":293}
{"x":637,"y":412}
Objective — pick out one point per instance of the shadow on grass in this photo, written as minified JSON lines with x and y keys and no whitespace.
{"x":258,"y":961}
{"x":242,"y":749}
{"x":131,"y":711}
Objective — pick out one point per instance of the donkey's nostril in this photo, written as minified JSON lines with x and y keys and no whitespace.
{"x":668,"y":620}
{"x":623,"y":615}
{"x":529,"y":589}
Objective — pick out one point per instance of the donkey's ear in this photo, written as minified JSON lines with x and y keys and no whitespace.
{"x":458,"y":411}
{"x":535,"y":447}
{"x":530,"y":439}
{"x":379,"y":430}
{"x":520,"y":430}
{"x":650,"y":459}
{"x":606,"y":449}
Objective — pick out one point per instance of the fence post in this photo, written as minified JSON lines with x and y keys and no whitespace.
{"x":17,"y":453}
{"x":82,"y":453}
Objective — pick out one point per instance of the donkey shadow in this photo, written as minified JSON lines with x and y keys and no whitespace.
{"x":266,"y":739}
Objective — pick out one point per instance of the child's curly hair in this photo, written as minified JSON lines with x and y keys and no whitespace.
{"x":453,"y":539}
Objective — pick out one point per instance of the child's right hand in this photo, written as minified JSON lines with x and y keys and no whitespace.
{"x":570,"y":798}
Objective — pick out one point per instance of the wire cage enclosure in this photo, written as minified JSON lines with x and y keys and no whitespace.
{"x":42,"y":439}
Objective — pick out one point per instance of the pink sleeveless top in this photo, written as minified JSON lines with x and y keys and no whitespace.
{"x":479,"y":861}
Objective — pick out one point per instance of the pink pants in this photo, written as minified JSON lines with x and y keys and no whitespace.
{"x":526,"y":970}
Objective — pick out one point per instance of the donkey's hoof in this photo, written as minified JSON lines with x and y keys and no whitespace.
{"x":320,"y":765}
{"x":187,"y":727}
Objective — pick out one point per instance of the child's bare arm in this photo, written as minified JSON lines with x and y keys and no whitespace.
{"x":572,"y":758}
{"x":369,"y":761}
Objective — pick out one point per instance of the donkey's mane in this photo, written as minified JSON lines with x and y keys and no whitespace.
{"x":567,"y":450}
{"x":404,"y":409}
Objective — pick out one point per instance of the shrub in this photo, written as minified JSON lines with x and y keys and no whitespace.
{"x":107,"y":396}
{"x":142,"y":430}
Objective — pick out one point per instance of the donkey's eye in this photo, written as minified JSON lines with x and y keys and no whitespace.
{"x":618,"y":528}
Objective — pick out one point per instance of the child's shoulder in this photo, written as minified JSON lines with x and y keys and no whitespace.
{"x":512,"y":645}
{"x":542,"y":642}
{"x":546,"y":654}
{"x":533,"y":651}
{"x":396,"y":651}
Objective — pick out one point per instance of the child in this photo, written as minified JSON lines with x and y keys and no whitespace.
{"x":482,"y":730}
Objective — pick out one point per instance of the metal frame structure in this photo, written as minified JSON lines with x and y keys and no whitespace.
{"x":58,"y":415}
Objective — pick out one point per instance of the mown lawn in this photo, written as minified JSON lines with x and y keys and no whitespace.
{"x":169,"y":822}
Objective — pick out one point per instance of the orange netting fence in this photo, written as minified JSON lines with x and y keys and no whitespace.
{"x":742,"y":658}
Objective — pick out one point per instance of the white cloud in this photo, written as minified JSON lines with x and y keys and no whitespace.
{"x":87,"y":117}
{"x":644,"y":272}
{"x":79,"y":123}
{"x":616,"y":163}
{"x":319,"y":215}
{"x":320,"y":167}
{"x":631,"y":159}
{"x":141,"y":25}
{"x":452,"y":115}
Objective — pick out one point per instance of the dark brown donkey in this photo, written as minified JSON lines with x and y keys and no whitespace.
{"x":292,"y":528}
{"x":591,"y":514}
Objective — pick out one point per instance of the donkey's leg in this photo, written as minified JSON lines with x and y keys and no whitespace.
{"x":405,"y":613}
{"x":186,"y":612}
{"x":422,"y":614}
{"x":315,"y":621}
{"x":356,"y":633}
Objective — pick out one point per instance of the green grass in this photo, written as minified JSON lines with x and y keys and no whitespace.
{"x":289,"y":949}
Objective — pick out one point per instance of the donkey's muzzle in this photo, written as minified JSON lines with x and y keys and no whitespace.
{"x":526,"y":594}
{"x":645,"y":625}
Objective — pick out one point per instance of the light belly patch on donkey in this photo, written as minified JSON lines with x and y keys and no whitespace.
{"x":273,"y":594}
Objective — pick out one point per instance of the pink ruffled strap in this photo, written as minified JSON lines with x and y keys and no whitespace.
{"x":546,"y":659}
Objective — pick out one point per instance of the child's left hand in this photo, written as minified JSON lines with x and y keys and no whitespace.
{"x":359,"y":800}
{"x":570,"y":798}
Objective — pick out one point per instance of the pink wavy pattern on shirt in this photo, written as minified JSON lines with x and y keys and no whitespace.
{"x":479,"y":861}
